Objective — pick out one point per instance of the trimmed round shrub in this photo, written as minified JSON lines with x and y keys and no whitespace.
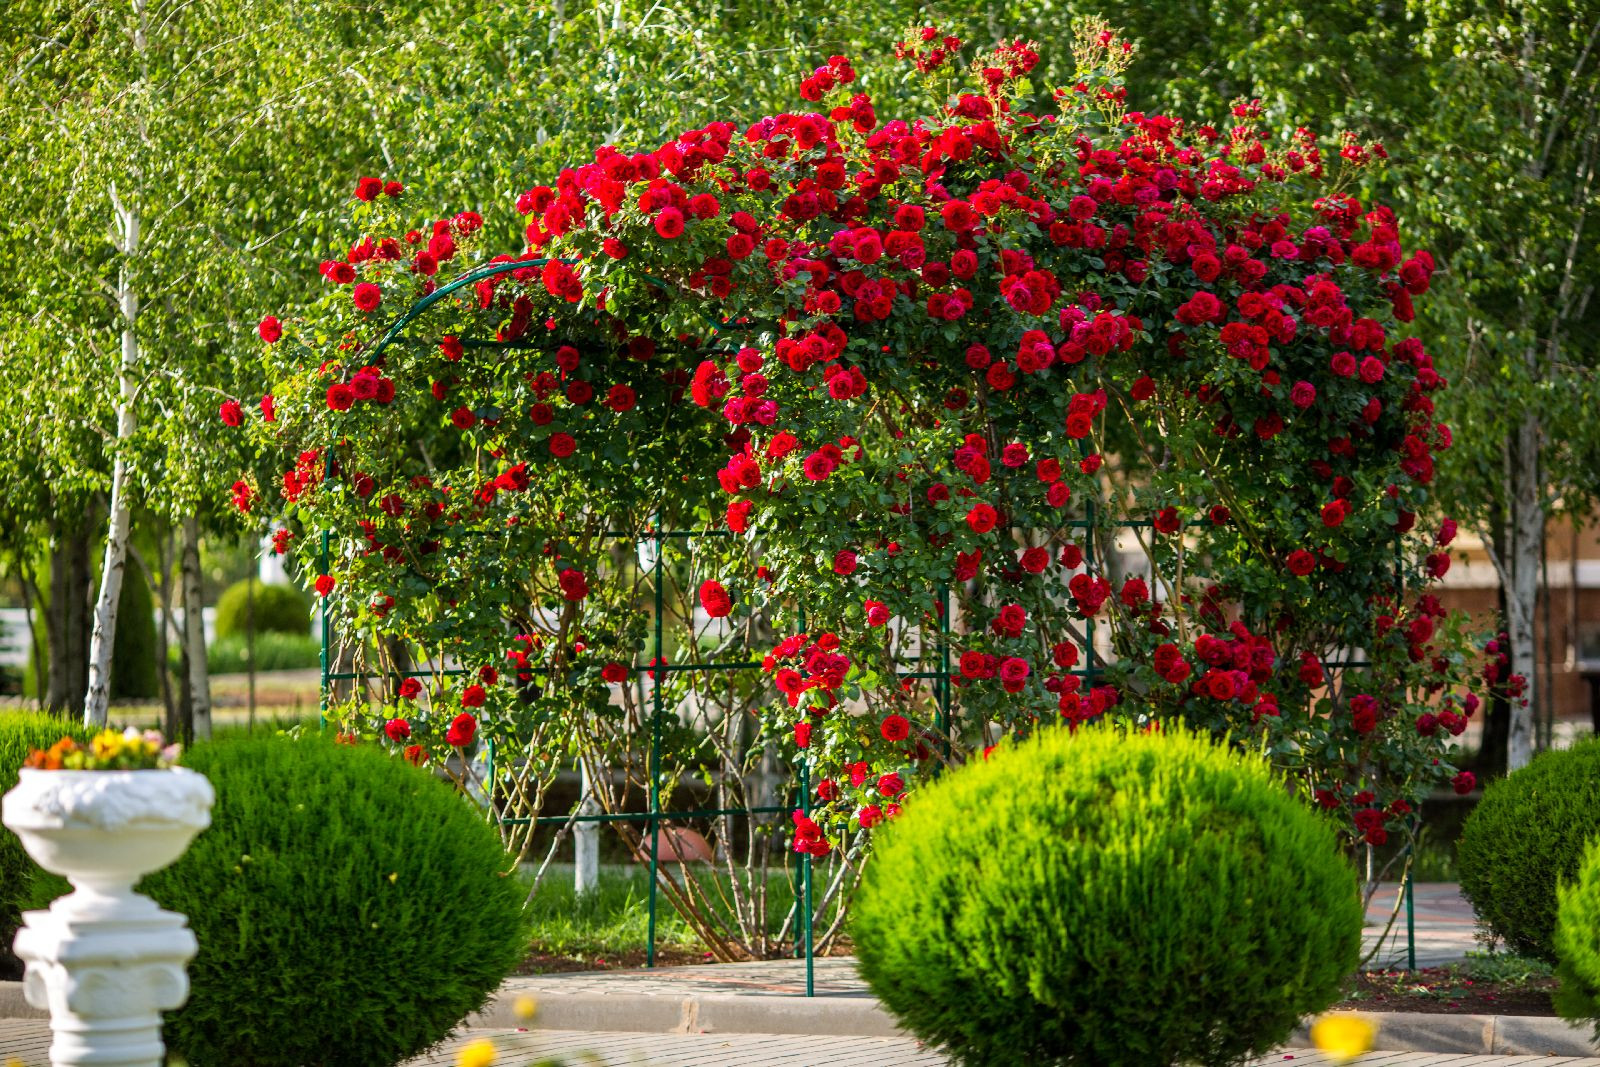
{"x":20,"y":733}
{"x":350,"y":908}
{"x":1577,"y":944}
{"x":1098,"y":898}
{"x":279,"y":609}
{"x":1526,"y":836}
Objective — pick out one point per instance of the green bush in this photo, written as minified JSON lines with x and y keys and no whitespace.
{"x":278,"y":608}
{"x":1526,"y":836}
{"x":350,"y":908}
{"x":1577,"y":943}
{"x":1109,"y":900}
{"x":135,"y":666}
{"x":274,"y":652}
{"x":20,"y":732}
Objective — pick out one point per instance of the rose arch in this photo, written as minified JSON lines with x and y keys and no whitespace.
{"x":981,"y":422}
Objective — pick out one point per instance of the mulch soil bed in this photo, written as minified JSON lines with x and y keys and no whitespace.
{"x":1443,"y":991}
{"x":538,"y":961}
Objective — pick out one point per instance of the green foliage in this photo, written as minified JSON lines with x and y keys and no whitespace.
{"x":134,"y":664}
{"x":350,"y":909}
{"x":1502,"y":968}
{"x":274,"y":652}
{"x":1527,"y":836}
{"x":278,"y":609}
{"x":1095,"y":898}
{"x":21,"y":732}
{"x":611,"y":920}
{"x":1577,"y":943}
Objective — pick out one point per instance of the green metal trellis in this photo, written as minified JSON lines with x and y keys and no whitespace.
{"x":803,"y":915}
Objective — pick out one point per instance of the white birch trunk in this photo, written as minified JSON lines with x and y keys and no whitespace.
{"x":1522,"y":594}
{"x":194,"y":631}
{"x":97,"y":701}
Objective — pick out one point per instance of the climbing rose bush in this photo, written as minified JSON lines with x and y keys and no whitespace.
{"x":1112,"y":413}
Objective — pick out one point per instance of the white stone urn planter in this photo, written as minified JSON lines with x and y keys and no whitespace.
{"x":104,"y":960}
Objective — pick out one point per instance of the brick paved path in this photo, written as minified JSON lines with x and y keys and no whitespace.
{"x":27,"y":1039}
{"x":1444,"y":926}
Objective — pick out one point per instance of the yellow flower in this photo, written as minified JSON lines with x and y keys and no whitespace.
{"x":479,"y":1053}
{"x":107,"y":744}
{"x":525,"y":1007}
{"x":1343,"y":1036}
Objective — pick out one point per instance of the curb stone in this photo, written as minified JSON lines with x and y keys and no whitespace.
{"x":861,"y":1016}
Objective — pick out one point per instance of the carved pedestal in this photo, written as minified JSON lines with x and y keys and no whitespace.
{"x":104,"y":960}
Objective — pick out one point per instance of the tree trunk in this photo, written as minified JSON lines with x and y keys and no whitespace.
{"x":97,"y":699}
{"x":67,"y":620}
{"x":1496,"y":723}
{"x":1526,"y":538}
{"x":198,"y":679}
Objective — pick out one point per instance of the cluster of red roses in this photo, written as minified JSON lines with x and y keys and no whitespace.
{"x":905,"y":343}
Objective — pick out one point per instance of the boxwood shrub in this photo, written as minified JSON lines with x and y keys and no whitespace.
{"x":277,"y":608}
{"x":350,"y":908}
{"x":1108,"y":900}
{"x":1526,"y":836}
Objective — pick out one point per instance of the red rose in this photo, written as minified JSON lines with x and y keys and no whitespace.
{"x":1034,"y":560}
{"x":562,"y":445}
{"x":369,"y":189}
{"x":1334,"y":514}
{"x":242,"y":496}
{"x":869,"y":816}
{"x":473,"y":696}
{"x":982,"y":518}
{"x":269,"y":412}
{"x":270,"y":330}
{"x":367,"y":296}
{"x":620,"y":398}
{"x":340,"y":396}
{"x":463,"y":418}
{"x":574,"y":584}
{"x":1303,"y":395}
{"x":398,"y":730}
{"x":877,"y":612}
{"x":325,"y":584}
{"x":669,"y":223}
{"x":1464,"y":783}
{"x":1013,"y":673}
{"x":1371,"y":370}
{"x":410,"y":689}
{"x":451,"y":348}
{"x":802,"y":735}
{"x":844,"y":562}
{"x":393,"y":189}
{"x":1301,"y":562}
{"x":614,"y":672}
{"x":231,"y":413}
{"x":895,"y":728}
{"x":715,"y":599}
{"x":891,"y":785}
{"x":462,"y":729}
{"x":738,"y":516}
{"x":818,"y":466}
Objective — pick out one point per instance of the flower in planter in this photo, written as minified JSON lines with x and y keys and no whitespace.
{"x":130,"y":750}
